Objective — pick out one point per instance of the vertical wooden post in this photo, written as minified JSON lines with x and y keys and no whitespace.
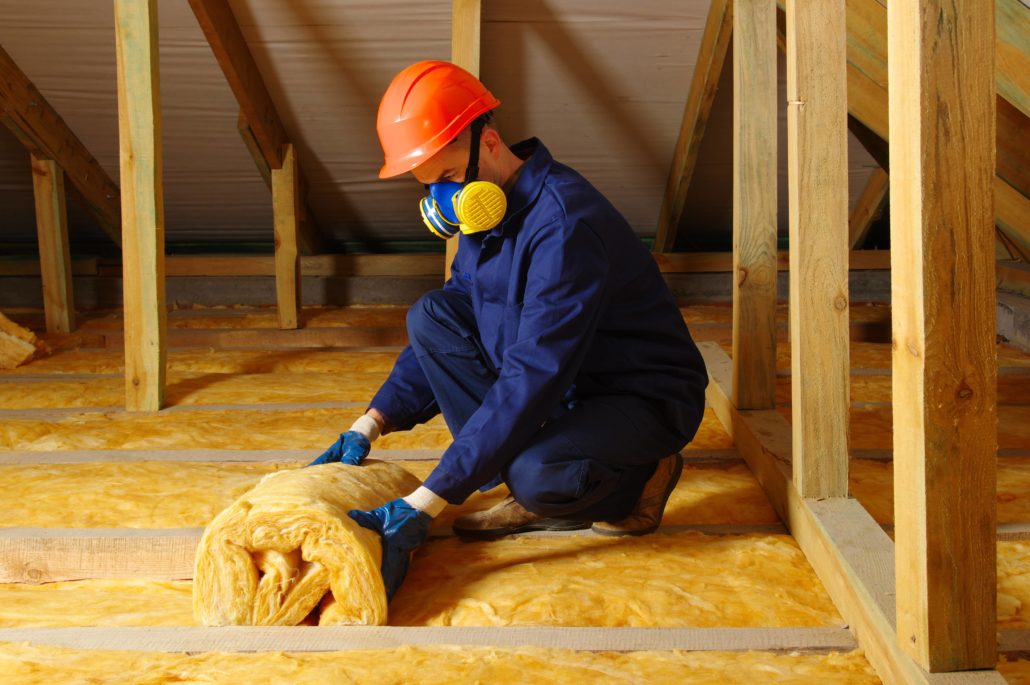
{"x":942,"y":160}
{"x":466,"y":17}
{"x":818,"y":191}
{"x":139,"y":127}
{"x":54,"y":255}
{"x":286,"y":207}
{"x":754,"y":204}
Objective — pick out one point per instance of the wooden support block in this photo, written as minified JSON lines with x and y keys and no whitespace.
{"x":338,"y":638}
{"x":817,"y":100}
{"x":869,"y":207}
{"x":849,"y":552}
{"x":707,"y":70}
{"x":754,"y":204}
{"x":466,"y":20}
{"x":285,"y":205}
{"x":54,"y":254}
{"x":46,"y":555}
{"x":139,"y":129}
{"x":39,"y":127}
{"x":942,"y":130}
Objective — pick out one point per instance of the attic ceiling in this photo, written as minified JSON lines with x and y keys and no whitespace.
{"x":603,"y":84}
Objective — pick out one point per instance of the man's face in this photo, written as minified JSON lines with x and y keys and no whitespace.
{"x":450,"y":163}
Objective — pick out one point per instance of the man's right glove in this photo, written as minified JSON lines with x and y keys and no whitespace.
{"x":353,"y":446}
{"x":403,"y":529}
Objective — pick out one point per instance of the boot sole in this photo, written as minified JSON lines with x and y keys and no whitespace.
{"x":677,"y":472}
{"x":554,"y":525}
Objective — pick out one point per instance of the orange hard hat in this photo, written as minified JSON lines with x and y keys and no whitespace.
{"x":425,"y":107}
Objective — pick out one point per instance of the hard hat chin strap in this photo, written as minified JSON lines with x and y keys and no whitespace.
{"x":472,"y":170}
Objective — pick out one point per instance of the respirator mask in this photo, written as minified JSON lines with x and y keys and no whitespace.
{"x":471,"y":206}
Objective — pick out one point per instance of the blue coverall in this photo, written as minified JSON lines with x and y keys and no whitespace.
{"x":556,"y":353}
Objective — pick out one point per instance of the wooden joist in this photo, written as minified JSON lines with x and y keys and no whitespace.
{"x":259,"y":123}
{"x":39,"y":127}
{"x":818,"y":209}
{"x":715,"y":262}
{"x":849,"y":552}
{"x":707,"y":70}
{"x":54,"y":253}
{"x":942,"y":128}
{"x":338,"y":638}
{"x":139,"y":134}
{"x":754,"y":204}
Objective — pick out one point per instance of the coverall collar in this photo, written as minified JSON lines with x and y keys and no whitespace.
{"x":530,"y":179}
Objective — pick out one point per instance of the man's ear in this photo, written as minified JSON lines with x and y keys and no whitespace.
{"x":492,"y":140}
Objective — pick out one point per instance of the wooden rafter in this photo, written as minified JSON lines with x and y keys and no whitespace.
{"x":868,"y":208}
{"x":259,"y":123}
{"x":707,"y":70}
{"x":39,"y":127}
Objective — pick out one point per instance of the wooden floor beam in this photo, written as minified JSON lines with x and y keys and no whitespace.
{"x":754,"y":204}
{"x":139,"y":128}
{"x":54,"y":253}
{"x":338,"y":638}
{"x":942,"y":130}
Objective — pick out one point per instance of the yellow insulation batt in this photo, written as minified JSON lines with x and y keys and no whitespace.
{"x":238,"y":429}
{"x":162,"y":494}
{"x":288,"y":547}
{"x":679,"y":579}
{"x":442,"y":665}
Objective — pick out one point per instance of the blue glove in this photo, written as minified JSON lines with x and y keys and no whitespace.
{"x":350,"y":448}
{"x":404,"y":528}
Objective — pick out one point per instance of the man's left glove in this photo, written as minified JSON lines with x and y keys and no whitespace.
{"x":403,"y":528}
{"x":353,"y":446}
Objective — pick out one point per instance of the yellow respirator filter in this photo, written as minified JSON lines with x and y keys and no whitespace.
{"x":480,"y":206}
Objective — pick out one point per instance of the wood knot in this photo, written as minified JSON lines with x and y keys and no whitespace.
{"x":840,"y":303}
{"x":741,"y":276}
{"x":965,"y":392}
{"x":135,"y":381}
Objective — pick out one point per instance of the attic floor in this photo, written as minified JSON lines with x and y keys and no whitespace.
{"x":745,"y":573}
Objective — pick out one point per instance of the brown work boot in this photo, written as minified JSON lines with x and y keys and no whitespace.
{"x":508,"y":517}
{"x":647,"y":515}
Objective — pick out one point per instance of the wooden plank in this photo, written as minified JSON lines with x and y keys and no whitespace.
{"x":466,"y":21}
{"x":230,"y":48}
{"x":45,"y":555}
{"x":54,"y":253}
{"x":868,"y":208}
{"x":254,"y":148}
{"x":266,"y":338}
{"x":942,"y":128}
{"x":1012,"y":215}
{"x":339,"y":638}
{"x":139,"y":127}
{"x":847,"y":549}
{"x":39,"y":127}
{"x":286,"y":206}
{"x":707,"y":70}
{"x":818,"y":209}
{"x":754,"y":204}
{"x":1013,"y":277}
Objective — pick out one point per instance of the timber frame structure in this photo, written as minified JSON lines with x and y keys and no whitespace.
{"x":921,"y":605}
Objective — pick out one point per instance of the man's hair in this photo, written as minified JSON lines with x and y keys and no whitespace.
{"x":487,"y":118}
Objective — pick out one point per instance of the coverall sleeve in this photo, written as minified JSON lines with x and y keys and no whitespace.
{"x":406,"y":399}
{"x":565,"y":287}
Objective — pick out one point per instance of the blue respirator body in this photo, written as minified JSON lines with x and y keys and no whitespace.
{"x":469,"y":207}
